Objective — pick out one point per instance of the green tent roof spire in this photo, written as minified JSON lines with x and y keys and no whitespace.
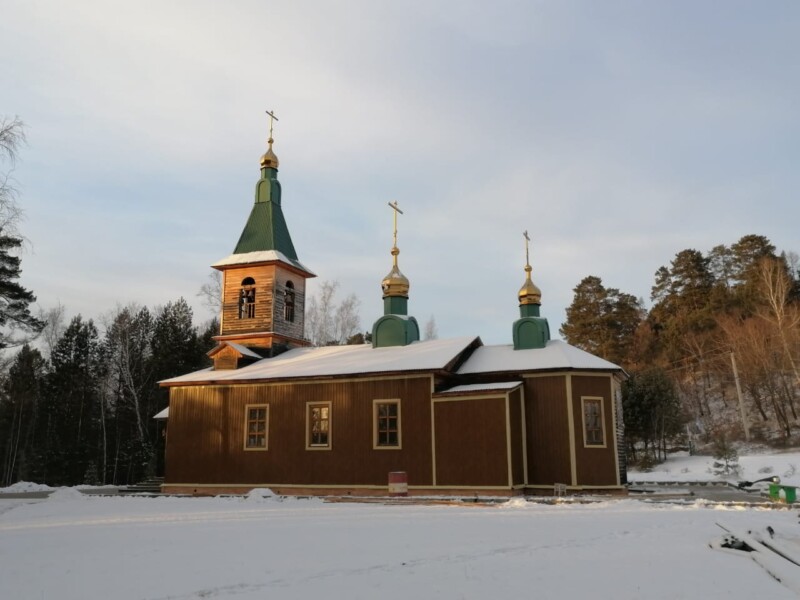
{"x":266,"y":227}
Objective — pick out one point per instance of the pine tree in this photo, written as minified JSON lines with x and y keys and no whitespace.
{"x":176,"y":348}
{"x":682,"y":296}
{"x":652,"y":412}
{"x":68,"y":431}
{"x":19,"y":409}
{"x":602,"y":320}
{"x":175,"y":344}
{"x":747,"y":256}
{"x":15,"y":300}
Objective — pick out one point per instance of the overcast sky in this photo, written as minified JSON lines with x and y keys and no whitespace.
{"x":616,"y":133}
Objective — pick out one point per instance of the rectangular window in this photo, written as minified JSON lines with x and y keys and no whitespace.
{"x":318,"y":426}
{"x":386,"y":419}
{"x":593,"y":422}
{"x":256,"y":426}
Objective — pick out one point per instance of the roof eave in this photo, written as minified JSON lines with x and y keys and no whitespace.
{"x":303,"y":378}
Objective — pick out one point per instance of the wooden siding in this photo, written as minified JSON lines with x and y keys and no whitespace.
{"x":595,"y":466}
{"x":547,"y":430}
{"x":264,"y":276}
{"x":471,"y":447}
{"x":227,"y":358}
{"x":515,"y":420}
{"x":622,"y":459}
{"x":206,"y":433}
{"x":294,"y":329}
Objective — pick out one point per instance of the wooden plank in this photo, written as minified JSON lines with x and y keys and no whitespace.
{"x":206,"y":430}
{"x":471,"y":443}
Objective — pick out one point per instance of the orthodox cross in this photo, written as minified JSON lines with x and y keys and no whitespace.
{"x":527,"y":239}
{"x":272,"y":117}
{"x":396,"y":210}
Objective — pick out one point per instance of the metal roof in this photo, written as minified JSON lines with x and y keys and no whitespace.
{"x":266,"y":229}
{"x":480,"y":388}
{"x":556,"y":355}
{"x":260,"y":257}
{"x":333,"y":361}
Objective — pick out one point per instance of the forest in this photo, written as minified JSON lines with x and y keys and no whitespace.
{"x":81,"y":409}
{"x":715,"y":358}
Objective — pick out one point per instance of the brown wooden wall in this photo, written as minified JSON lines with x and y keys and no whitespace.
{"x":227,"y":358}
{"x":206,"y":434}
{"x":294,"y":328}
{"x":595,"y":466}
{"x":471,"y":447}
{"x":264,"y":276}
{"x":517,"y":450}
{"x":547,"y":430}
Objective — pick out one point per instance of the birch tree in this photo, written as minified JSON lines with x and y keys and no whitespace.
{"x":329,"y":323}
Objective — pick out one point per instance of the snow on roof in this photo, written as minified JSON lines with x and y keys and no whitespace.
{"x":481,"y":387}
{"x":555,"y":355}
{"x":244,"y":350}
{"x":261,"y":256}
{"x":164,"y":414}
{"x":339,"y":360}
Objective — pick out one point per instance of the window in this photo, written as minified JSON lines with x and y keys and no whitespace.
{"x":593,"y":425}
{"x":255,"y":426}
{"x":247,"y":299}
{"x":318,"y":426}
{"x":386,"y":419}
{"x":288,"y":302}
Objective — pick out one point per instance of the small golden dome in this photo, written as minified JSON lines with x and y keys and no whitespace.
{"x":529,"y":293}
{"x":395,"y":283}
{"x":269,"y":159}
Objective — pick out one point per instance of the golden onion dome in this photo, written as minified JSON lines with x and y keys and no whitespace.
{"x":269,"y":158}
{"x":395,"y":283}
{"x":529,"y":293}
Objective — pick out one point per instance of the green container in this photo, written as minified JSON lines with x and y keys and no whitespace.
{"x":773,"y":491}
{"x":783,"y":493}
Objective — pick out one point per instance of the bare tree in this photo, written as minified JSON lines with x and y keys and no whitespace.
{"x":776,"y":287}
{"x":129,"y":378}
{"x":211,"y":292}
{"x":430,"y":331}
{"x":12,"y":137}
{"x":54,"y":327}
{"x":329,"y":323}
{"x":346,"y":321}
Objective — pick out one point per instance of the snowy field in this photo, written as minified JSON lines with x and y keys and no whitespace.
{"x":71,"y":546}
{"x":682,"y":467}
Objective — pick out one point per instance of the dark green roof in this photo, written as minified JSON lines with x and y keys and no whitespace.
{"x":266,"y":227}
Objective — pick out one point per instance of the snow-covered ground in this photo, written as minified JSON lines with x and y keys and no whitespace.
{"x":72,"y":546}
{"x":682,"y":467}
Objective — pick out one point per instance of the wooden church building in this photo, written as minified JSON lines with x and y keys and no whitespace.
{"x":456,"y":415}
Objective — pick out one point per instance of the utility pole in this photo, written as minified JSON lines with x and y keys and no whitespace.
{"x":741,"y":400}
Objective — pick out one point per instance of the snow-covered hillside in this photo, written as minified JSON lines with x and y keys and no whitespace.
{"x":682,"y":467}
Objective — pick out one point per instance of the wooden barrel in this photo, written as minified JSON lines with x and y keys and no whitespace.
{"x":398,"y":483}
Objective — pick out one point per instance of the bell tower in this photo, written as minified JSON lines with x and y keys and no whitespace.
{"x":263,"y":282}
